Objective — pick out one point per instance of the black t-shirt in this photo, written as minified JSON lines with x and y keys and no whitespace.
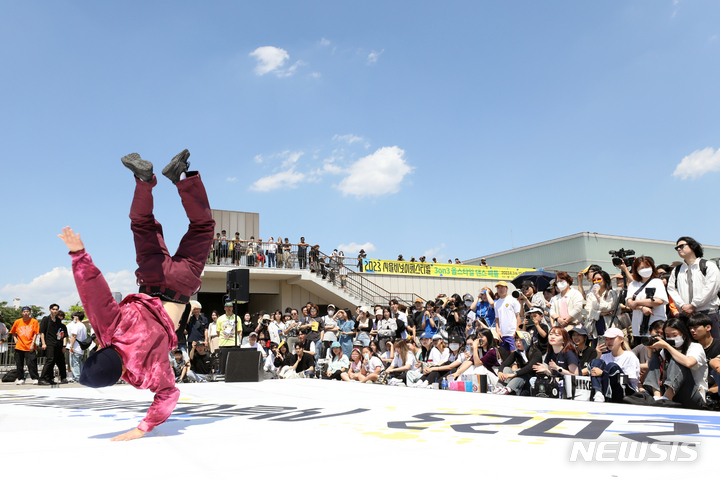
{"x":201,"y":363}
{"x":711,"y":352}
{"x":586,"y":356}
{"x":314,"y":335}
{"x":563,"y":360}
{"x":52,"y":329}
{"x":248,"y":327}
{"x":306,"y":362}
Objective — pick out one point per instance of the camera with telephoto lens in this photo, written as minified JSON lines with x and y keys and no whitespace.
{"x":651,"y":340}
{"x":516,"y":293}
{"x":622,"y":256}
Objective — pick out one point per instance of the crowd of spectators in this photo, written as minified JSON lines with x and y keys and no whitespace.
{"x":651,"y":338}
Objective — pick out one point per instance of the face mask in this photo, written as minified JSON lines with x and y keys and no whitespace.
{"x":331,"y":313}
{"x":645,"y":272}
{"x":676,"y":342}
{"x":454,"y":346}
{"x":367,"y":356}
{"x":468,"y":303}
{"x":561,"y":286}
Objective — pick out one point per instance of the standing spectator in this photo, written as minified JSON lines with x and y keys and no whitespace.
{"x":276,"y":327}
{"x":694,"y":284}
{"x":430,"y":320}
{"x":314,"y":255}
{"x":361,"y":256}
{"x":216,"y":249}
{"x":291,"y":329}
{"x":224,"y":246}
{"x":249,"y":326}
{"x":250,"y":252}
{"x":331,"y":329}
{"x":347,"y":331}
{"x":286,"y":248}
{"x":646,"y":296}
{"x":3,"y":336}
{"x":77,"y":332}
{"x":271,"y":251}
{"x":260,"y":253}
{"x":507,"y":312}
{"x":401,"y":318}
{"x":483,"y":263}
{"x":386,"y":327}
{"x":213,"y":332}
{"x":302,"y":253}
{"x":315,"y":329}
{"x":53,"y":336}
{"x":600,"y":300}
{"x":567,"y":306}
{"x":227,"y":328}
{"x":237,"y":249}
{"x":24,"y":331}
{"x":197,"y":325}
{"x":364,"y":326}
{"x":181,"y":334}
{"x":484,"y":312}
{"x":588,"y":273}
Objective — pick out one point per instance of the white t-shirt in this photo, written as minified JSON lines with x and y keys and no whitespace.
{"x":460,"y":356}
{"x":658,"y":313}
{"x":435,"y":356}
{"x":80,"y":331}
{"x":372,"y":364}
{"x":629,"y":364}
{"x":506,"y":311}
{"x":330,"y":336}
{"x":409,"y":360}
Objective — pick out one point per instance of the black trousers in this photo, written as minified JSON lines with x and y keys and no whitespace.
{"x":21,"y":358}
{"x":54,"y":356}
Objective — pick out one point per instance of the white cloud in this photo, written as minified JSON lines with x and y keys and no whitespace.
{"x":291,"y":70}
{"x":292,"y":158}
{"x":349,"y":138}
{"x":713,"y":38}
{"x":231,"y":179}
{"x":379,"y":173}
{"x":269,"y":59}
{"x":373,"y":57}
{"x":315,"y":75}
{"x":258,"y":159}
{"x":324,"y":42}
{"x":355,"y":248}
{"x":58,"y":286}
{"x":285,"y":179}
{"x":698,"y":163}
{"x":433,"y":251}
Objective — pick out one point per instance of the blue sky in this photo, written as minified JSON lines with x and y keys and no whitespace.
{"x":445,"y":128}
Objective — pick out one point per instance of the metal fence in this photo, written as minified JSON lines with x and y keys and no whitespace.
{"x":7,"y":359}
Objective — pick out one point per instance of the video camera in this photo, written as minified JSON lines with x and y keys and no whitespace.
{"x":622,"y":256}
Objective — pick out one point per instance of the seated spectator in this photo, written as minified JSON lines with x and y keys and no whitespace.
{"x":180,"y":366}
{"x":615,"y":358}
{"x":512,"y":381}
{"x":643,"y":352}
{"x":484,"y":312}
{"x":538,"y":328}
{"x":434,"y":373}
{"x":339,"y":363}
{"x":308,"y":345}
{"x":646,"y":296}
{"x":272,"y":357}
{"x":281,"y":357}
{"x":403,"y":362}
{"x":354,"y":373}
{"x":371,"y":366}
{"x":253,"y":344}
{"x":200,"y":362}
{"x":700,"y":327}
{"x":483,"y":359}
{"x":561,"y":358}
{"x":389,"y":354}
{"x":299,"y":365}
{"x":586,"y":353}
{"x":677,"y":372}
{"x":431,"y":321}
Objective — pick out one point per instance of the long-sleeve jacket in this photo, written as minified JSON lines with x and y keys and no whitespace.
{"x":139,"y":329}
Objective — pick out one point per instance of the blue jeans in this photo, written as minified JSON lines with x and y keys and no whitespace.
{"x":197,"y":377}
{"x":76,"y":363}
{"x":271,"y":259}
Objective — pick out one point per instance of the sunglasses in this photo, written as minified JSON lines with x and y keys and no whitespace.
{"x":680,"y":247}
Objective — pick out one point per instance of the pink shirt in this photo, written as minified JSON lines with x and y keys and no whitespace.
{"x":139,"y":329}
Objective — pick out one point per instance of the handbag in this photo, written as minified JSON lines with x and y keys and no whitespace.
{"x":546,"y":387}
{"x":85,"y":344}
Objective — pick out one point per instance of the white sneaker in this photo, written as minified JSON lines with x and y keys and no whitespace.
{"x":35,"y":382}
{"x":19,"y":381}
{"x":502,"y":391}
{"x":598,"y":397}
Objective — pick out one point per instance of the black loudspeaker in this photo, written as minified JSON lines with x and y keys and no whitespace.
{"x":244,"y":366}
{"x":238,"y":285}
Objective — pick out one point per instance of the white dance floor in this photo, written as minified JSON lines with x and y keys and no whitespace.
{"x":348,"y":430}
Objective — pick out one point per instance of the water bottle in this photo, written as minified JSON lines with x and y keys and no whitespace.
{"x":444,"y":384}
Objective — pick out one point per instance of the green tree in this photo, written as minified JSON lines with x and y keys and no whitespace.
{"x":10,"y":314}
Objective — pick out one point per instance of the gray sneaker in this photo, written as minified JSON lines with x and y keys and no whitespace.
{"x":177,"y":166}
{"x":141,"y":168}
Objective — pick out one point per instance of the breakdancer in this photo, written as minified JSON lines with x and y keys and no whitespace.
{"x":136,"y":335}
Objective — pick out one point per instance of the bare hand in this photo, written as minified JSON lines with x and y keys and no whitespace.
{"x":596,"y":372}
{"x":72,"y":240}
{"x":131,"y":435}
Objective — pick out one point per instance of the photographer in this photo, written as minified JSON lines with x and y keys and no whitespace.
{"x":646,"y":296}
{"x":484,"y":312}
{"x":529,"y":297}
{"x":455,"y":317}
{"x":613,"y":359}
{"x":683,"y":380}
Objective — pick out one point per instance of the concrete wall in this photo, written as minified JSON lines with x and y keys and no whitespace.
{"x":247,"y":224}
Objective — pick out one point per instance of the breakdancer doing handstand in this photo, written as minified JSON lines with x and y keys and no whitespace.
{"x":136,"y":335}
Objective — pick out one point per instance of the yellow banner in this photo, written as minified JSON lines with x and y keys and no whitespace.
{"x":392,"y":267}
